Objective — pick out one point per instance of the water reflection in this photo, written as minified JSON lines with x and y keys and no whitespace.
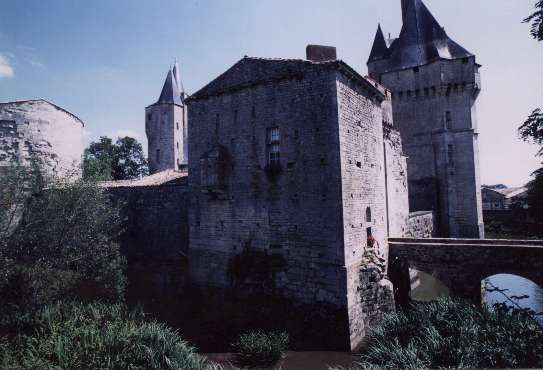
{"x":425,"y":287}
{"x":515,"y":286}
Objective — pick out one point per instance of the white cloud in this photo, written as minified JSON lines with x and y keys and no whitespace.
{"x":36,"y":63}
{"x":6,"y":70}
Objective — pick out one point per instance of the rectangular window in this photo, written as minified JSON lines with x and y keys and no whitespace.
{"x":273,"y":138}
{"x":448,"y":120}
{"x":273,"y":135}
{"x":274,"y":154}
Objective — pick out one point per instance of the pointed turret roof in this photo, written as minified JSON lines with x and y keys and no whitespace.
{"x":177,"y":78}
{"x":422,"y":39}
{"x":380,"y":49}
{"x":170,"y":91}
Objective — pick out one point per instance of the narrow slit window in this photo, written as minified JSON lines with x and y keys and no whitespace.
{"x":450,"y":154}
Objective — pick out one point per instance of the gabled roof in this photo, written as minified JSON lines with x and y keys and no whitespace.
{"x":508,"y":193}
{"x":422,"y":40}
{"x":251,"y":71}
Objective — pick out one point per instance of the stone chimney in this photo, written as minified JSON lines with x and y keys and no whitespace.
{"x":320,"y":53}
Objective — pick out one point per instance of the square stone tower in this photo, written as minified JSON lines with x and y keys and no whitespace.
{"x":435,"y":83}
{"x":166,"y":127}
{"x":287,"y":157}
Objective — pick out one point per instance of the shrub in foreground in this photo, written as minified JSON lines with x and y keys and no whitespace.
{"x":57,"y":241}
{"x":454,"y":334}
{"x":97,"y":336}
{"x":260,"y":348}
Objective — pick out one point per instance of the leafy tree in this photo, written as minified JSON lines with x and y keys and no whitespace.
{"x":57,"y":241}
{"x":532,"y":129}
{"x":122,"y":160}
{"x":536,"y":21}
{"x":535,"y":196}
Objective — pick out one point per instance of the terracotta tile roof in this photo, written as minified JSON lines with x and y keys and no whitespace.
{"x":157,"y":179}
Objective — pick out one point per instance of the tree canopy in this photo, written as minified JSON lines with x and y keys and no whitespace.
{"x":57,"y":241}
{"x":531,"y":130}
{"x":536,"y":21}
{"x":122,"y":160}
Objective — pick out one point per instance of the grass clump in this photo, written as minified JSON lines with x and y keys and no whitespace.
{"x":96,"y":336}
{"x":453,"y":334}
{"x":259,"y":348}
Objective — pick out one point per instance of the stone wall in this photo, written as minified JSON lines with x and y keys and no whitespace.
{"x":240,"y":201}
{"x":166,"y":130}
{"x":363,"y":188}
{"x":420,"y":225}
{"x":155,"y":237}
{"x":434,"y":110}
{"x":319,"y":211}
{"x":376,"y":296}
{"x":396,"y":181}
{"x":39,"y":129}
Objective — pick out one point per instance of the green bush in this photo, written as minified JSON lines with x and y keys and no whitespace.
{"x":260,"y":348}
{"x":57,"y":241}
{"x":453,"y":334}
{"x":96,"y":336}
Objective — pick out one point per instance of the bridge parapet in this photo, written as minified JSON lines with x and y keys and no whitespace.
{"x":478,"y":242}
{"x":461,"y":264}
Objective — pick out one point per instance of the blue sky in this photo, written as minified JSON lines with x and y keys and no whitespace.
{"x":105,"y":60}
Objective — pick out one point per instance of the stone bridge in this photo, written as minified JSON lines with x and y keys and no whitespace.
{"x":461,"y":264}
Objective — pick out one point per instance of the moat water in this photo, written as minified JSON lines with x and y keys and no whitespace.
{"x":427,"y":288}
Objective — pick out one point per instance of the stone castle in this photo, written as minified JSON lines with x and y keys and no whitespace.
{"x":309,"y":162}
{"x":305,"y":165}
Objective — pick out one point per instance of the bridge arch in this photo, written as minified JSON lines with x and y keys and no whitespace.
{"x":426,"y":287}
{"x":461,"y":264}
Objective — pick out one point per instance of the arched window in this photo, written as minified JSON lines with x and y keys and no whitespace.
{"x":368,"y":214}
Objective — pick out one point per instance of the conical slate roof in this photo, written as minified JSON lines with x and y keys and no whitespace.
{"x":170,"y":91}
{"x":177,"y":78}
{"x":422,"y":40}
{"x":380,"y":49}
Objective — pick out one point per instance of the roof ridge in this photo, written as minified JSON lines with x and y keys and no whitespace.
{"x":48,"y":102}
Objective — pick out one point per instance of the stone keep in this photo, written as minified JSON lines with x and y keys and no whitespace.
{"x":44,"y":131}
{"x":435,"y":83}
{"x":288,"y":157}
{"x":166,"y":126}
